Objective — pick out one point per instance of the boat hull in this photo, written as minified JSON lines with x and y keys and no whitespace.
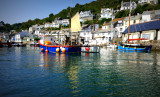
{"x":134,"y":48}
{"x":53,"y":49}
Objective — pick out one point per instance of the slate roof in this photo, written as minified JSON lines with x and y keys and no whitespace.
{"x":152,"y":25}
{"x":147,"y":12}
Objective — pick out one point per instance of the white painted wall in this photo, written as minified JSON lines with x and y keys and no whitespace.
{"x":158,"y":35}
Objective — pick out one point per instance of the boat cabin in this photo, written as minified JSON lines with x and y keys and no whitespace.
{"x":47,"y":40}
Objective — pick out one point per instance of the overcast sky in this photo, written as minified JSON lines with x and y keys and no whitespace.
{"x":17,"y":11}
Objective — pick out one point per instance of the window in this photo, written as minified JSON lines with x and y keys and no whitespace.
{"x":134,"y":21}
{"x":120,"y":29}
{"x":146,"y":36}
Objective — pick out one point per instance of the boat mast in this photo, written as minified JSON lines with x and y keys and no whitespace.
{"x":70,"y":21}
{"x":129,"y":20}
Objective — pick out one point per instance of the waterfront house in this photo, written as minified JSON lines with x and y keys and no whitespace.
{"x":133,"y":20}
{"x":148,"y":30}
{"x":111,"y":30}
{"x":102,"y":37}
{"x":147,"y":1}
{"x":85,"y":15}
{"x":126,"y":5}
{"x":99,"y":37}
{"x":19,"y":36}
{"x":86,"y":36}
{"x":106,"y":13}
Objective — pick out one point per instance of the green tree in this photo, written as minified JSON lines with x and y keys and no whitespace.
{"x":36,"y":38}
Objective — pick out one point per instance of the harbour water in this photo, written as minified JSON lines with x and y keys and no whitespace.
{"x":28,"y":72}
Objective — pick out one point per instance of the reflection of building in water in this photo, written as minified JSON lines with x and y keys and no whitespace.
{"x":63,"y":59}
{"x":134,"y":57}
{"x":73,"y":76}
{"x":18,"y":51}
{"x":44,"y":59}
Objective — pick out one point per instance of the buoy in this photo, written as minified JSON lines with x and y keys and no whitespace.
{"x":36,"y":45}
{"x":42,"y":49}
{"x":87,"y":48}
{"x":63,"y":49}
{"x":57,"y":49}
{"x":46,"y":50}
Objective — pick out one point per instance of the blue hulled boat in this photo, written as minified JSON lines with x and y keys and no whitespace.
{"x":134,"y":47}
{"x":48,"y":44}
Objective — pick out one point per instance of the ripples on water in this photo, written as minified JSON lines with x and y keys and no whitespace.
{"x":29,"y":72}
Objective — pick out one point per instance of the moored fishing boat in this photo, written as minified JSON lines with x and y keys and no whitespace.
{"x":48,"y":44}
{"x":134,"y":47}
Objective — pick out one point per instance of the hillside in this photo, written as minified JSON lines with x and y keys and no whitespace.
{"x":94,"y":7}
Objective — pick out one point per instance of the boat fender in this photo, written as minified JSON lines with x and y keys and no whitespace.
{"x":57,"y":49}
{"x":123,"y":46}
{"x":63,"y":50}
{"x":46,"y":50}
{"x":42,"y":49}
{"x":87,"y":48}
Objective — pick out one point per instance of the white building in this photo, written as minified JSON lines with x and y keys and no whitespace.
{"x":157,"y":14}
{"x":126,"y":5}
{"x":47,"y":25}
{"x":5,"y":37}
{"x":118,"y":24}
{"x":147,"y":16}
{"x":35,"y":27}
{"x":100,"y":37}
{"x":109,"y":27}
{"x":85,"y":36}
{"x":106,"y":13}
{"x":147,"y":1}
{"x":19,"y":36}
{"x":65,"y":22}
{"x":55,"y":25}
{"x":85,"y":15}
{"x":106,"y":26}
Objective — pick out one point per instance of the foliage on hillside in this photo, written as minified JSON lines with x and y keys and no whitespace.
{"x":94,"y":7}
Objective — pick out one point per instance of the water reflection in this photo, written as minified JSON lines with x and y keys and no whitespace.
{"x":108,"y":73}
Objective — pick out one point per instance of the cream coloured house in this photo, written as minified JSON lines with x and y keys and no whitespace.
{"x":148,"y":30}
{"x":133,"y":20}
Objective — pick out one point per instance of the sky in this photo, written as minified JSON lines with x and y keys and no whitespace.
{"x":17,"y":11}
